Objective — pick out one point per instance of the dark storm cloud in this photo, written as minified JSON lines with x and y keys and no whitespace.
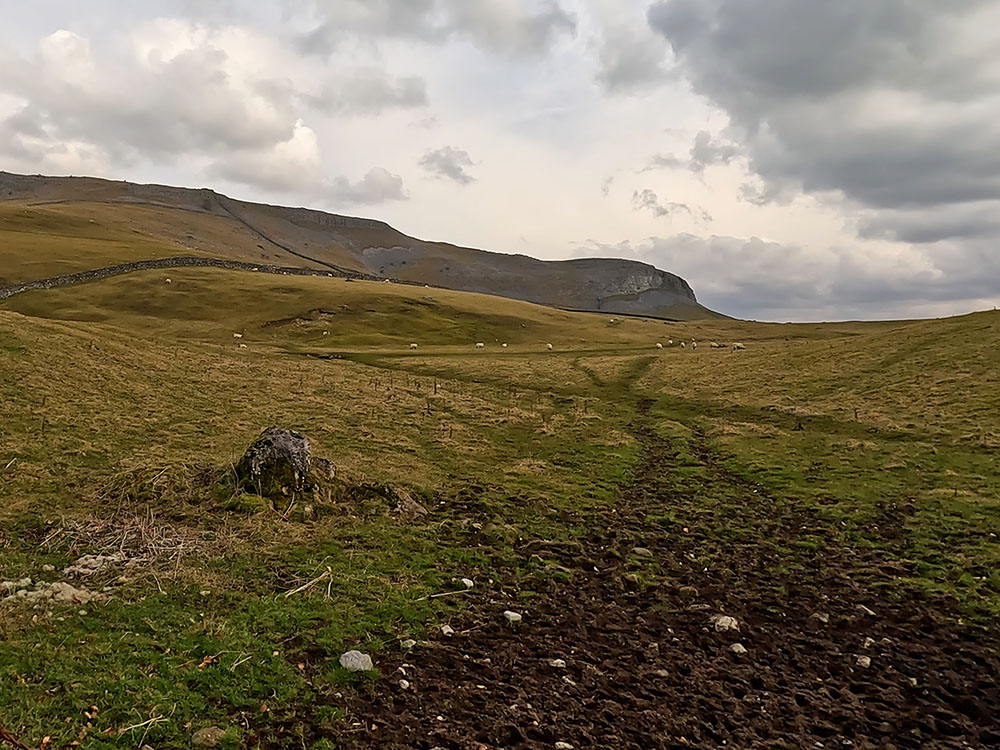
{"x":886,"y":103}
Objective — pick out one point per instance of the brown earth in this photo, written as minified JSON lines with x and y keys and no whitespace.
{"x":646,"y":669}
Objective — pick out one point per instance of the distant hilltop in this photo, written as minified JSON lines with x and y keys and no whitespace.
{"x":314,"y":239}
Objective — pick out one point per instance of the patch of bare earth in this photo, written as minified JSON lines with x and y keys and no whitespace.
{"x":822,"y":660}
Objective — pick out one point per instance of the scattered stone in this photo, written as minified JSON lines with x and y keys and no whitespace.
{"x":688,"y":592}
{"x":563,"y":746}
{"x":208,"y":737}
{"x":722,"y":623}
{"x":820,"y":617}
{"x":642,"y":552}
{"x":511,"y":617}
{"x":89,"y":565}
{"x":468,"y":583}
{"x":408,"y":643}
{"x":557,"y":663}
{"x":49,"y":568}
{"x":865,"y":610}
{"x":404,"y":685}
{"x":447,"y":630}
{"x":568,"y":680}
{"x":59,"y":593}
{"x":661,"y":673}
{"x":864,"y":662}
{"x":355,"y":661}
{"x":11,"y":586}
{"x":869,"y":642}
{"x":406,"y":505}
{"x":739,"y":649}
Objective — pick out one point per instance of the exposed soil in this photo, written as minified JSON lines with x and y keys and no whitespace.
{"x":646,"y":669}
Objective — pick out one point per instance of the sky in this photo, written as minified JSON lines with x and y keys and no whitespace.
{"x":792,"y":159}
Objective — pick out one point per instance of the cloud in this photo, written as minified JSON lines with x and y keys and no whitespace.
{"x":890,"y":105}
{"x":512,"y":27}
{"x":648,"y":200}
{"x":706,"y":151}
{"x":629,"y":59}
{"x":450,"y":163}
{"x":229,"y":98}
{"x":377,"y":186}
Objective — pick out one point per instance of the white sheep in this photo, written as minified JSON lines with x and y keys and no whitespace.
{"x":168,"y":281}
{"x":503,"y":346}
{"x":694,"y":344}
{"x":413,"y":346}
{"x":737,"y":346}
{"x":549,"y":347}
{"x":670,"y":342}
{"x":243,"y":346}
{"x":237,"y":335}
{"x":326,"y":333}
{"x":683,"y":345}
{"x":480,"y":345}
{"x":659,"y":345}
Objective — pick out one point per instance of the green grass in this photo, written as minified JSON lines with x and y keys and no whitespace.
{"x":131,"y":382}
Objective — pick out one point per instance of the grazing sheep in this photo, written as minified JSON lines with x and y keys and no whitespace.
{"x":480,"y":345}
{"x":243,"y":346}
{"x":503,"y":346}
{"x":670,"y":342}
{"x":549,"y":347}
{"x":254,"y":269}
{"x":683,"y":345}
{"x":413,"y":346}
{"x":326,"y":333}
{"x":659,"y":345}
{"x":738,"y":346}
{"x":717,"y":345}
{"x":237,"y":335}
{"x":168,"y":281}
{"x":694,"y":344}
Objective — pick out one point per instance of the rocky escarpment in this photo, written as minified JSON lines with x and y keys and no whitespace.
{"x":323,"y":241}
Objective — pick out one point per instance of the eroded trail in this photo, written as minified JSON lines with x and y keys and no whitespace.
{"x":828,"y":662}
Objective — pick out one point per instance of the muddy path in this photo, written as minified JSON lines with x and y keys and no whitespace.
{"x":829,"y":661}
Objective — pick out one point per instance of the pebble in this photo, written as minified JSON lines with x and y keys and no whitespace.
{"x":447,"y":630}
{"x":822,"y":617}
{"x":865,"y":610}
{"x":408,"y":643}
{"x":468,"y":583}
{"x":355,"y":661}
{"x":642,"y":552}
{"x":563,"y":746}
{"x":738,"y":648}
{"x":49,"y":568}
{"x":864,"y":662}
{"x":723,"y":623}
{"x":661,"y":673}
{"x":557,"y":663}
{"x":207,"y":737}
{"x":869,"y":642}
{"x":404,"y":685}
{"x":511,"y":617}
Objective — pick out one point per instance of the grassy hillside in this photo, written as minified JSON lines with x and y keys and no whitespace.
{"x":123,"y":402}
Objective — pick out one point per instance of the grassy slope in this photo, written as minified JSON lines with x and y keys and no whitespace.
{"x":108,"y":385}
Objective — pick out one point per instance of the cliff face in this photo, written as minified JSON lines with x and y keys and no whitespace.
{"x":316,"y":239}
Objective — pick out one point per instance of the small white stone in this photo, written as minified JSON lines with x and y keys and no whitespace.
{"x":49,"y":568}
{"x":408,"y":643}
{"x":642,"y":552}
{"x":738,"y":648}
{"x":557,"y":663}
{"x":661,"y":673}
{"x":510,"y":616}
{"x":865,"y":611}
{"x":355,"y":661}
{"x":468,"y":583}
{"x":563,"y":746}
{"x":404,"y":685}
{"x":722,"y":623}
{"x":869,"y":642}
{"x":447,"y":630}
{"x":864,"y":662}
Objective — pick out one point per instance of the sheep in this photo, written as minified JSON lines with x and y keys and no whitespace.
{"x":237,"y":335}
{"x":659,"y":345}
{"x":243,"y":346}
{"x":326,"y":333}
{"x":549,"y":347}
{"x":413,"y":346}
{"x":168,"y":281}
{"x":670,"y":342}
{"x":694,"y":344}
{"x":717,"y":345}
{"x":683,"y":345}
{"x":503,"y":346}
{"x":480,"y":345}
{"x":738,"y":346}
